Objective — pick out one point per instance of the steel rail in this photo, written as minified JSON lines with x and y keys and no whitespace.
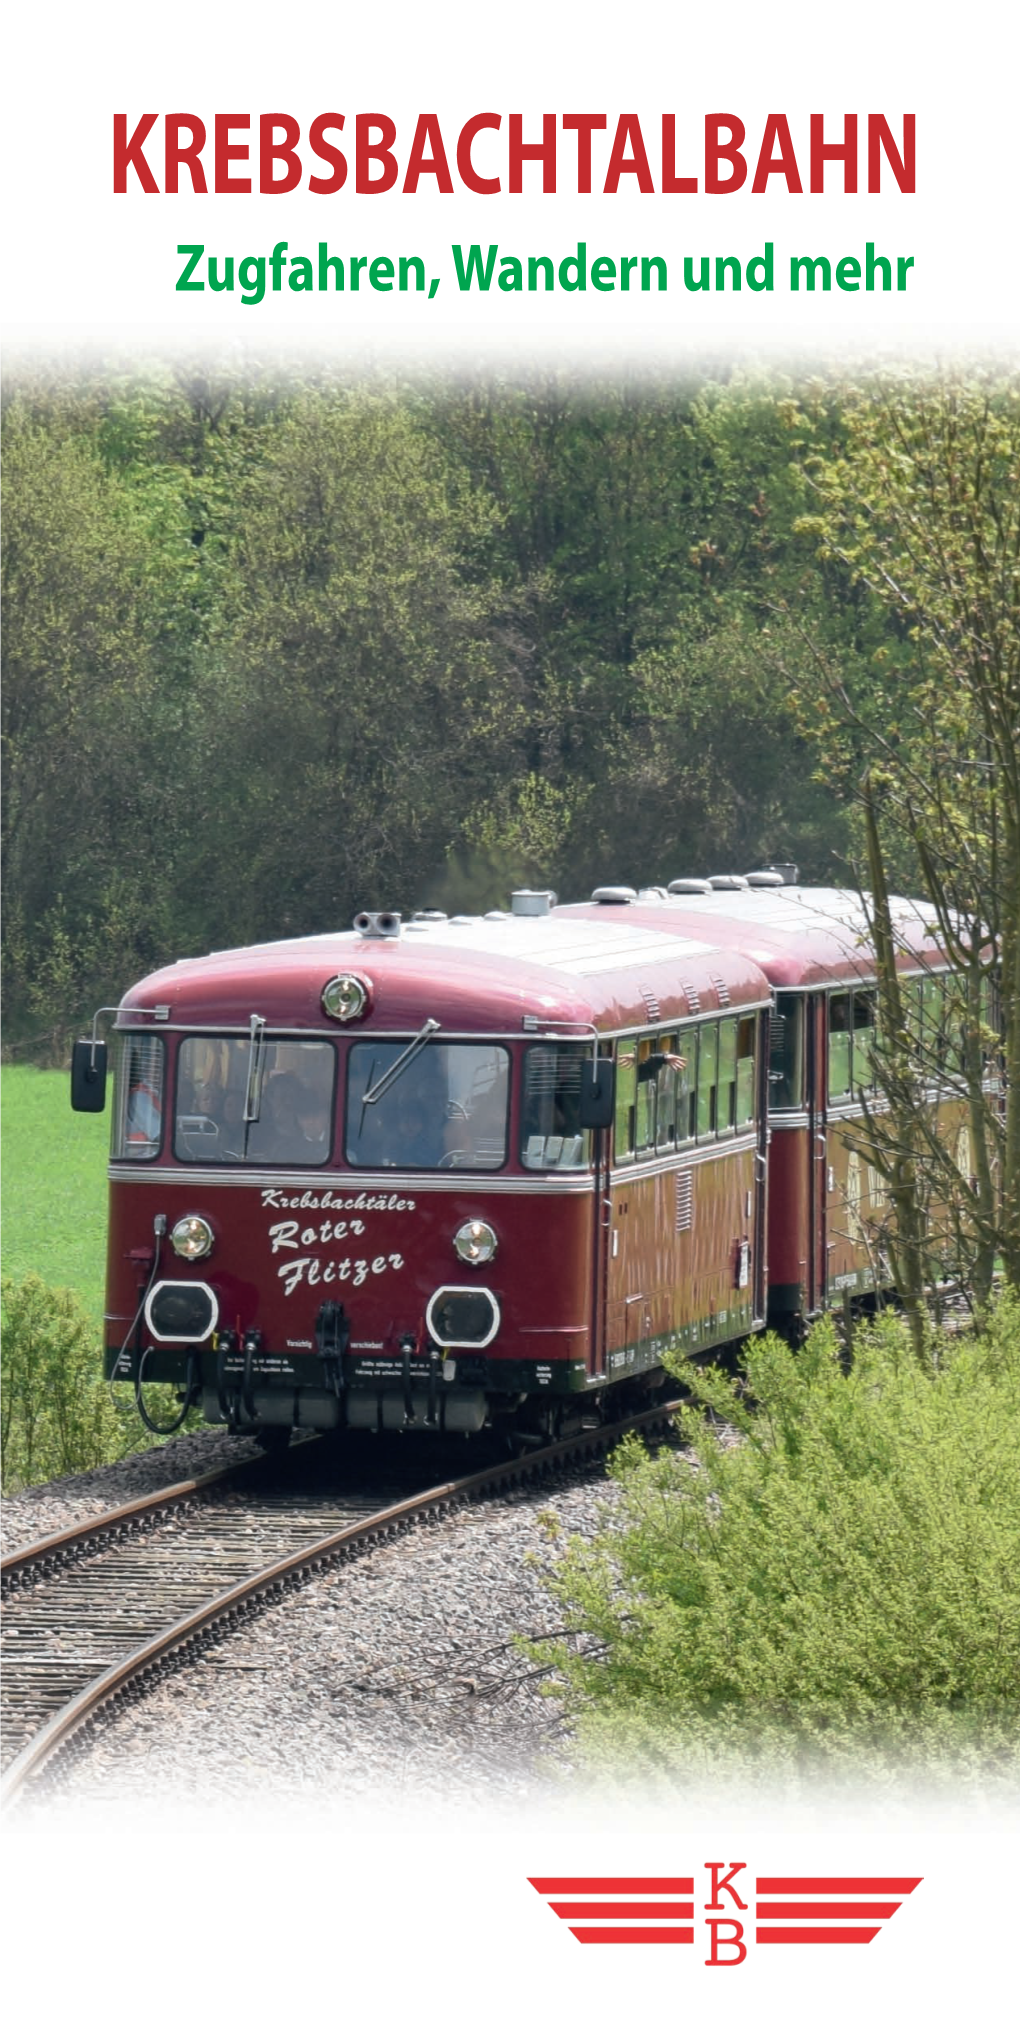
{"x":67,"y":1541}
{"x":224,"y":1610}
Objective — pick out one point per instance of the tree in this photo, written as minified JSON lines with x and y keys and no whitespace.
{"x":922,"y":509}
{"x":352,"y":701}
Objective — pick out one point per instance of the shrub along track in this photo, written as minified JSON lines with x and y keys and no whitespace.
{"x":98,"y":1613}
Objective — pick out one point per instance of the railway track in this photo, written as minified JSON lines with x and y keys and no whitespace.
{"x":97,"y":1613}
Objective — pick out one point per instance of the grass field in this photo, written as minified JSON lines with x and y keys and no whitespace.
{"x":54,"y":1184}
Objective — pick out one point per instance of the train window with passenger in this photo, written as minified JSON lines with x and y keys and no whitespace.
{"x":745,"y":1069}
{"x":626,"y":1098}
{"x":446,"y":1109}
{"x":708,"y":1064}
{"x":647,"y":1100}
{"x":840,"y":1038}
{"x":672,"y":1109}
{"x":726,"y":1081}
{"x":786,"y":1054}
{"x":137,"y":1127}
{"x":552,"y":1136}
{"x":260,"y":1101}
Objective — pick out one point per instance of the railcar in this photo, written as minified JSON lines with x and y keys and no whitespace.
{"x":828,"y":1209}
{"x":435,"y":1173}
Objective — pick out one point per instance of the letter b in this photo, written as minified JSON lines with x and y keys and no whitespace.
{"x":733,"y":1939}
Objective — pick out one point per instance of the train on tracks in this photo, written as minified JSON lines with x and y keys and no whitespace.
{"x":453,"y":1172}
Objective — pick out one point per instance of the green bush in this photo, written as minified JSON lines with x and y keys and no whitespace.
{"x":830,"y":1580}
{"x":56,"y":1415}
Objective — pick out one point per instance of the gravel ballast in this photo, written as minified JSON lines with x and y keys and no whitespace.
{"x":42,"y":1511}
{"x":391,"y":1678}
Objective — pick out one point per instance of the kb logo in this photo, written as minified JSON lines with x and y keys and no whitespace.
{"x":734,"y":1912}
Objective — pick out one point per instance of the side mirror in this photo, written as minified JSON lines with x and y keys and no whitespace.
{"x":88,"y":1076}
{"x":598,"y":1092}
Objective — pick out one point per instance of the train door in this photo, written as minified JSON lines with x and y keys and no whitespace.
{"x":818,"y":1169}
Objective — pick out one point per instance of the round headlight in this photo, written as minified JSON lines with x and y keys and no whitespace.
{"x":475,"y":1242}
{"x":346,"y":997}
{"x":192,"y":1238}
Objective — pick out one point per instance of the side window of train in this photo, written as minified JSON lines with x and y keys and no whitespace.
{"x":137,"y":1124}
{"x":551,"y":1133}
{"x":745,"y":1068}
{"x":786,"y":1053}
{"x":933,"y":1014}
{"x":626,"y":1098}
{"x":954,"y":1021}
{"x":708,"y":1063}
{"x":839,"y":1043}
{"x":670,"y":1094}
{"x":644,"y":1129}
{"x":687,"y":1088}
{"x":726,"y":1085}
{"x":863,"y":1004}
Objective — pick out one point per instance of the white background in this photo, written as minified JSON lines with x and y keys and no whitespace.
{"x":82,"y":262}
{"x":316,"y":1924}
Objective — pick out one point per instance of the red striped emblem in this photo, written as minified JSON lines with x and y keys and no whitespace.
{"x":832,"y":1911}
{"x":623,"y":1909}
{"x":789,"y":1911}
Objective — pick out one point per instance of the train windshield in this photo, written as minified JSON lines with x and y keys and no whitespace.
{"x":293,"y":1100}
{"x":446,"y":1110}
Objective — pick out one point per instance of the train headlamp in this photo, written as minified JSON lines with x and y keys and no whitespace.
{"x":192,"y":1238}
{"x":346,"y":997}
{"x":475,"y":1242}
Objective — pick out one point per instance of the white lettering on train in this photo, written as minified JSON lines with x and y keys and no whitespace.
{"x":310,"y":1200}
{"x":285,"y":1232}
{"x":313,"y":1271}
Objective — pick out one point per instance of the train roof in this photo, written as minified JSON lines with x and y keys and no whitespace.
{"x":484,"y":974}
{"x":797,"y":935}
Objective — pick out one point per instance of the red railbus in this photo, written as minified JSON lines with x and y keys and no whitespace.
{"x":435,"y":1173}
{"x":828,"y":1209}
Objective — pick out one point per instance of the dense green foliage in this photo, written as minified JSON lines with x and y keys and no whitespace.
{"x":921,"y":508}
{"x":56,"y":1415}
{"x":276,"y":649}
{"x":839,"y":1587}
{"x":54,"y":1185}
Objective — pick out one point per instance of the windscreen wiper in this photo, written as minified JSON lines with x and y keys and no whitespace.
{"x":253,"y":1087}
{"x":396,"y":1069}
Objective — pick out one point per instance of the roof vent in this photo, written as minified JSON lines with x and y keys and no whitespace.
{"x":496,"y":914}
{"x":721,"y":987}
{"x":614,"y":895}
{"x":428,"y":914}
{"x":378,"y":927}
{"x":728,"y":881}
{"x":689,"y":885}
{"x":531,"y":904}
{"x":764,"y":881}
{"x":462,"y":920}
{"x":653,"y":892}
